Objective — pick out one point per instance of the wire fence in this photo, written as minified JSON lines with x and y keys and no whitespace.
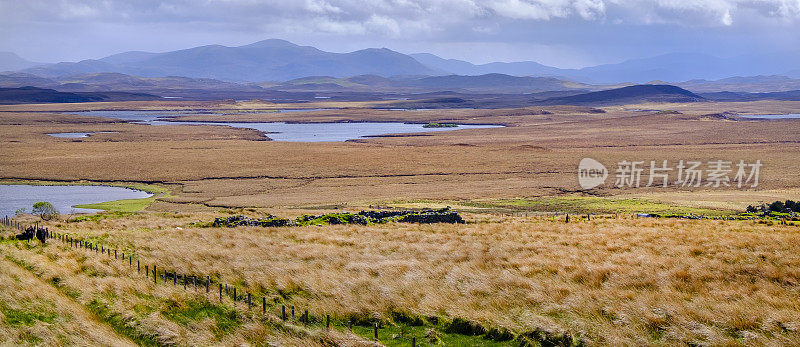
{"x":202,"y":284}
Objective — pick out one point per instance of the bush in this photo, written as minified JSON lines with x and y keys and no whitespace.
{"x":776,"y":206}
{"x":792,"y":205}
{"x":44,"y":210}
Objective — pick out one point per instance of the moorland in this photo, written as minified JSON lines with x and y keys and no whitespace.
{"x":516,"y":272}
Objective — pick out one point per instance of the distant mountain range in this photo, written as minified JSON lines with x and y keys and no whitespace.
{"x":279,"y":61}
{"x":672,"y":68}
{"x":268,"y":60}
{"x":752,"y":84}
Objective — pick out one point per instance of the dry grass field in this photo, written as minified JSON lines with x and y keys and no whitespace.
{"x":536,"y":155}
{"x":602,"y":282}
{"x":614,"y":280}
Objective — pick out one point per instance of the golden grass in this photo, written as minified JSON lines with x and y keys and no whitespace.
{"x":609,"y":281}
{"x":97,"y":293}
{"x":33,"y":312}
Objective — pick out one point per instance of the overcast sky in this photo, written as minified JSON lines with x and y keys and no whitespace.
{"x":561,"y":33}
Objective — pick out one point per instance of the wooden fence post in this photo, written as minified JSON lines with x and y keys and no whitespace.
{"x":220,"y":292}
{"x":249,"y":303}
{"x":375,"y":332}
{"x":283,"y":313}
{"x":327,"y":322}
{"x":208,"y":282}
{"x":155,"y":275}
{"x":305,"y":319}
{"x":292,"y":312}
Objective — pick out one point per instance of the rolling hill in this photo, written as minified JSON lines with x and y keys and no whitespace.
{"x":628,"y":95}
{"x":489,"y":83}
{"x":32,"y":95}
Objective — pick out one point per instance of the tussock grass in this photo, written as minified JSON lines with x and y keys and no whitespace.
{"x":129,"y":308}
{"x":33,"y":312}
{"x":608,"y":281}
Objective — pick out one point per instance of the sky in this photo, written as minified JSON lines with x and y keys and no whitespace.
{"x":560,"y":33}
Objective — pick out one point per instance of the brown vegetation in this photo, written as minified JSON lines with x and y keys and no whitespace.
{"x":608,"y":281}
{"x":536,"y":155}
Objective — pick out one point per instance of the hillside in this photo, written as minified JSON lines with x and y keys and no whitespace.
{"x":628,"y":95}
{"x":32,"y":95}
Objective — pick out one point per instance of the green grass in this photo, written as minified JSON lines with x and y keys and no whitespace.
{"x":401,"y":335}
{"x":125,"y":205}
{"x":99,"y":216}
{"x":120,"y":324}
{"x":583,"y":204}
{"x":187,"y":312}
{"x":26,"y":317}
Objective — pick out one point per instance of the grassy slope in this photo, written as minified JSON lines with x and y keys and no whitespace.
{"x":33,"y":312}
{"x":608,"y":281}
{"x":125,"y":307}
{"x":126,"y":205}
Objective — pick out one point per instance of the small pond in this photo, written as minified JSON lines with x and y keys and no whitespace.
{"x":78,"y":135}
{"x":289,"y":132}
{"x":772,"y":116}
{"x":17,"y":196}
{"x":325,"y":132}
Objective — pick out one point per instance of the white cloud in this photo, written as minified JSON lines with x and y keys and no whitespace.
{"x":384,"y":15}
{"x":726,"y":18}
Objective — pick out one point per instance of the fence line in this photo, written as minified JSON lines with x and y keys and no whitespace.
{"x":164,"y":276}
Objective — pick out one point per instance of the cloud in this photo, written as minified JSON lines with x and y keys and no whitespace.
{"x":392,"y":17}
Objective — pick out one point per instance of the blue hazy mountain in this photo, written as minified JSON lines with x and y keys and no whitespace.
{"x":268,"y":60}
{"x":673,"y":67}
{"x":279,"y":60}
{"x":10,"y":61}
